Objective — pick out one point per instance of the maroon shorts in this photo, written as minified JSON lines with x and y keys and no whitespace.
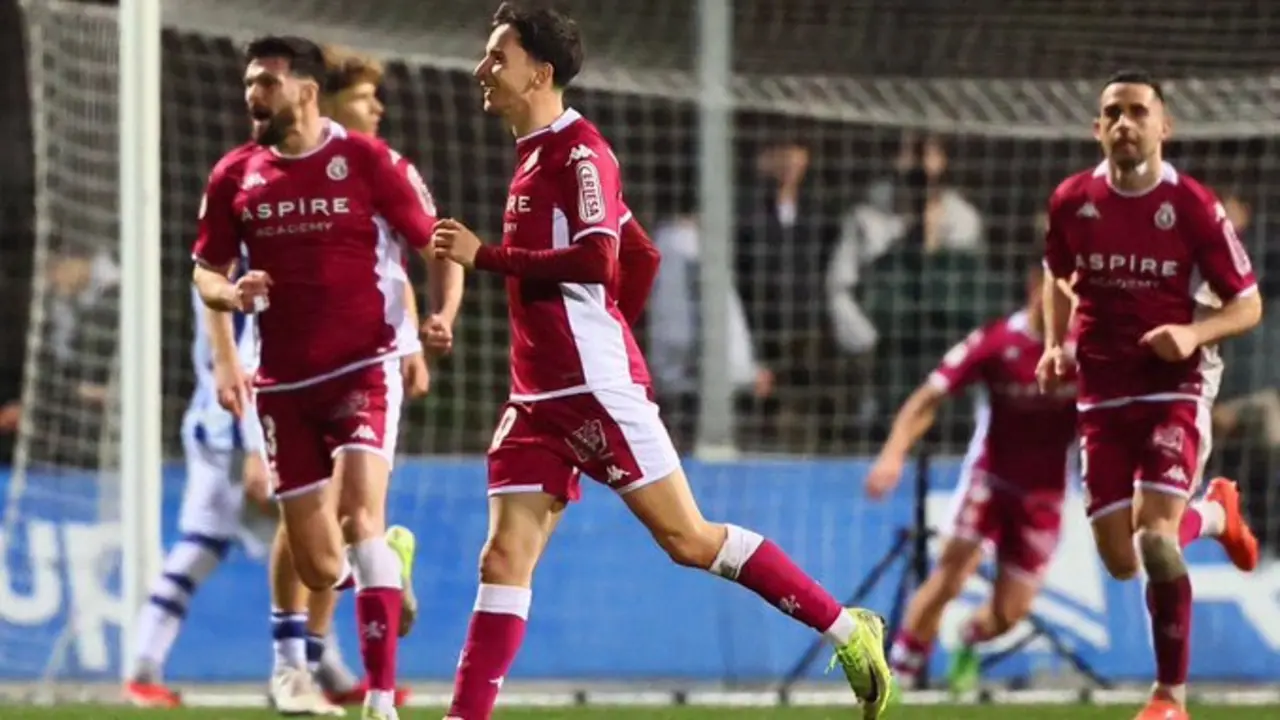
{"x":1155,"y":446}
{"x":305,"y":428}
{"x":1022,"y":529}
{"x":613,"y":435}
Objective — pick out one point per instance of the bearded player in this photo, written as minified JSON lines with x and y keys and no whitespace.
{"x":318,"y":208}
{"x":349,"y":97}
{"x":1011,"y":490}
{"x":1140,"y":237}
{"x":580,"y":396}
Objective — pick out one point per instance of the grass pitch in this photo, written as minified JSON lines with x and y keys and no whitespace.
{"x":918,"y":712}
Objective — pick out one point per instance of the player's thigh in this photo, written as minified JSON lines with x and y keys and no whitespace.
{"x":975,"y":515}
{"x":958,"y":559}
{"x":212,"y":499}
{"x":1110,"y":455}
{"x":1032,"y":531}
{"x":1013,"y":593}
{"x":528,"y":456}
{"x":1176,"y":452}
{"x":294,"y":441}
{"x":363,"y":410}
{"x":520,"y":526}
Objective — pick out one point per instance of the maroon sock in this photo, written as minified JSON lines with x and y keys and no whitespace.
{"x":493,"y":639}
{"x":769,"y":573}
{"x":378,"y":612}
{"x":908,"y":655}
{"x":1169,"y":604}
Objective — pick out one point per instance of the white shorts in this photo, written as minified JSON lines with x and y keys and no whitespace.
{"x":213,"y":501}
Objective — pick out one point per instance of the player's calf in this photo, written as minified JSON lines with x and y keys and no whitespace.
{"x":914,"y":642}
{"x":315,"y":540}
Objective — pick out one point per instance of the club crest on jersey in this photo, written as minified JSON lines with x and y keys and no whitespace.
{"x":1169,"y":438}
{"x":1165,"y":217}
{"x":591,"y":202}
{"x":589,"y":442}
{"x":337,"y":168}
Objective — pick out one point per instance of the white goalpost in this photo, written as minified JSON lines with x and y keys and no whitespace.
{"x":141,"y":297}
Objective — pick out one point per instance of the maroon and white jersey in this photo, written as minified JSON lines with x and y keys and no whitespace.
{"x":1023,"y":436}
{"x":566,"y":338}
{"x":324,"y":226}
{"x":1143,"y":260}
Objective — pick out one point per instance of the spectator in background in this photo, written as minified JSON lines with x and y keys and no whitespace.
{"x":79,"y":349}
{"x":675,"y":322}
{"x":782,"y":246}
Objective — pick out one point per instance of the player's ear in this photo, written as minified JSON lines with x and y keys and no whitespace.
{"x":1097,"y":129}
{"x":1166,"y":129}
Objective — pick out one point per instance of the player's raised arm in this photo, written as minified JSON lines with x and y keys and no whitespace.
{"x":638,"y":261}
{"x":959,"y":367}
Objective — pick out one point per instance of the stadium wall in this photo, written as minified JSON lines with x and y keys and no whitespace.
{"x":608,"y":605}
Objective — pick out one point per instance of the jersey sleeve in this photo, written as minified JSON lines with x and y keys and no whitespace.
{"x":1221,"y":258}
{"x":401,"y":196}
{"x":962,"y":365}
{"x":638,"y":261}
{"x":217,"y":242}
{"x":1057,"y":253}
{"x":591,"y":192}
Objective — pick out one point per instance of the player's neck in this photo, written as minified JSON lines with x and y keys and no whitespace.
{"x":1137,"y":179}
{"x":538,"y":114}
{"x":306,"y":135}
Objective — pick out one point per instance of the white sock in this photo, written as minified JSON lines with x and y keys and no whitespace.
{"x":384,"y":701}
{"x":842,"y":630}
{"x":187,"y":565}
{"x":375,"y":564}
{"x":1213,"y":518}
{"x":289,"y":639}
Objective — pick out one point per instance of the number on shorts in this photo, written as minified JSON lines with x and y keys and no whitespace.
{"x":269,"y":435}
{"x":505,"y":423}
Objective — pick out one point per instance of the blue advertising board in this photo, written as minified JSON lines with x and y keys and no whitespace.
{"x":608,"y":605}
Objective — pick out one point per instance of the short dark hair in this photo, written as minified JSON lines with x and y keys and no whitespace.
{"x":306,"y":58}
{"x":1136,"y":77}
{"x":548,"y":36}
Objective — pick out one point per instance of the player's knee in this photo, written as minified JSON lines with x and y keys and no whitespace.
{"x":1161,"y":555}
{"x":361,"y":523}
{"x":1121,"y":565}
{"x":318,"y":571}
{"x":507,"y":559}
{"x":695,"y":546}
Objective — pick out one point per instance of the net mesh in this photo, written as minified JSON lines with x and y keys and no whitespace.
{"x":851,"y":100}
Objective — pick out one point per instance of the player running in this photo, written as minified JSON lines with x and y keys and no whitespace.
{"x":1011,"y":487}
{"x":580,"y":400}
{"x":349,"y":97}
{"x":316,"y":205}
{"x":224,"y":458}
{"x":1138,"y":236}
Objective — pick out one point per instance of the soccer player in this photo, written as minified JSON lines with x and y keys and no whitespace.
{"x":580,"y":398}
{"x":1011,"y":486}
{"x":223,"y":458}
{"x":1138,"y":236}
{"x":316,"y":207}
{"x":349,"y":97}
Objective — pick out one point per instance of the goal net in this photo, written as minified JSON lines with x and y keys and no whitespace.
{"x":890,"y":162}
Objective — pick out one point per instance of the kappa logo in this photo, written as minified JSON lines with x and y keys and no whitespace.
{"x":1165,"y":217}
{"x":580,"y":152}
{"x":1088,"y":210}
{"x":1176,"y":475}
{"x":365,"y":433}
{"x":253,"y":180}
{"x":337,"y":168}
